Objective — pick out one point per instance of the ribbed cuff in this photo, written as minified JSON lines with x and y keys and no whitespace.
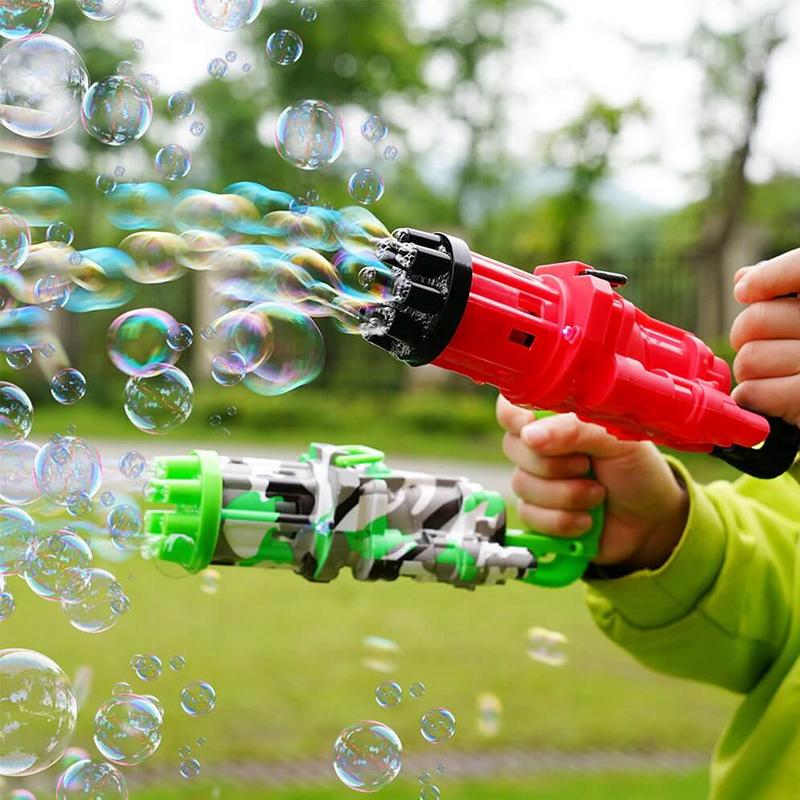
{"x":654,"y":598}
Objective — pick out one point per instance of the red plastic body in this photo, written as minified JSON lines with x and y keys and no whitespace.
{"x":562,"y":341}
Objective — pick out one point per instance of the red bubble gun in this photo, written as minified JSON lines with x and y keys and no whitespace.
{"x":563,"y":339}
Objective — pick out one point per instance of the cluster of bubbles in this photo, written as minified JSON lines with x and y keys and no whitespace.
{"x":390,"y":693}
{"x":547,"y":647}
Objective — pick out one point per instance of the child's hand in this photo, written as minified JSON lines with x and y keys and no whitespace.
{"x":766,"y":336}
{"x":646,"y":507}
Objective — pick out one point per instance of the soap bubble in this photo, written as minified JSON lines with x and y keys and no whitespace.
{"x":19,"y":356}
{"x":547,"y":647}
{"x":147,"y":667}
{"x":91,"y":780}
{"x":59,"y":233}
{"x":42,"y":81}
{"x":181,"y":105}
{"x":180,"y":338}
{"x":139,"y":205}
{"x":416,"y":690}
{"x":124,"y":523}
{"x":41,"y":206}
{"x":173,"y":162}
{"x":366,"y":186}
{"x":198,"y":698}
{"x":138,"y":45}
{"x":15,"y":239}
{"x":52,"y":292}
{"x":197,"y":128}
{"x":177,"y":663}
{"x":374,"y":128}
{"x":309,"y":135}
{"x":159,"y":403}
{"x":58,"y":566}
{"x":79,"y":504}
{"x":184,"y":751}
{"x":16,"y":413}
{"x":132,"y":464}
{"x":284,"y":47}
{"x":67,"y":465}
{"x":17,"y":484}
{"x":7,"y":605}
{"x":107,"y":499}
{"x":155,"y":256}
{"x":100,"y":605}
{"x":105,"y":184}
{"x":308,"y":13}
{"x":437,"y":725}
{"x":128,"y":729}
{"x":297,"y":353}
{"x":227,"y":15}
{"x":217,"y":68}
{"x":117,"y":110}
{"x":367,"y":756}
{"x":209,"y":581}
{"x":17,"y":535}
{"x":122,"y":687}
{"x":189,"y":768}
{"x":102,"y":10}
{"x":390,"y":152}
{"x":20,"y":18}
{"x":429,"y":792}
{"x":231,"y":56}
{"x":137,"y":341}
{"x":38,"y":710}
{"x":490,"y":711}
{"x":72,"y":755}
{"x":68,"y":386}
{"x":244,"y":334}
{"x":228,"y":368}
{"x":388,"y":694}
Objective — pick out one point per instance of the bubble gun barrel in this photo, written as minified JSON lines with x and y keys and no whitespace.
{"x":563,"y":339}
{"x":341,"y":507}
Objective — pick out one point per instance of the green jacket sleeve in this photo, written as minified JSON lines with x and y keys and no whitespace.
{"x":720,"y":609}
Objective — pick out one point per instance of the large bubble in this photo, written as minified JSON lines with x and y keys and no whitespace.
{"x":227,"y":15}
{"x":117,"y":110}
{"x":16,"y":413}
{"x":309,"y":135}
{"x":17,"y":535}
{"x":41,"y":206}
{"x":156,"y":256}
{"x":42,"y":83}
{"x":367,"y":756}
{"x":134,"y":206}
{"x":128,"y":729}
{"x":15,"y":239}
{"x":20,"y":18}
{"x":137,"y":341}
{"x":65,"y":466}
{"x":215,"y":213}
{"x":38,"y":712}
{"x":100,"y":605}
{"x":17,"y":482}
{"x":91,"y":780}
{"x":159,"y":403}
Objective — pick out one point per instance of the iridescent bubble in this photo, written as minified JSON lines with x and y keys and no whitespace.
{"x":308,"y":13}
{"x":117,"y":110}
{"x":41,"y":206}
{"x":68,"y":386}
{"x":102,"y":10}
{"x":173,"y":162}
{"x":91,"y":780}
{"x":60,"y":233}
{"x":198,"y":698}
{"x":107,"y":499}
{"x":197,"y":128}
{"x":227,"y":15}
{"x":7,"y":605}
{"x":388,"y":694}
{"x":189,"y":768}
{"x":128,"y":729}
{"x":159,"y":403}
{"x":38,"y":709}
{"x":58,"y":565}
{"x":217,"y":68}
{"x":437,"y":725}
{"x":65,"y":466}
{"x":366,"y":186}
{"x":210,"y":212}
{"x":365,"y":277}
{"x":16,"y":413}
{"x":42,"y":81}
{"x":367,"y":756}
{"x":72,"y":755}
{"x":202,"y":249}
{"x":284,"y":47}
{"x":228,"y":368}
{"x":52,"y":292}
{"x":135,"y":206}
{"x":297,"y":353}
{"x":177,"y":663}
{"x":100,"y":605}
{"x":156,"y":256}
{"x":390,"y":152}
{"x":79,"y":504}
{"x":547,"y":647}
{"x":136,"y":341}
{"x":20,"y":18}
{"x":429,"y":792}
{"x":126,"y":69}
{"x":17,"y":485}
{"x":105,"y":184}
{"x":244,"y":334}
{"x":122,"y":687}
{"x":309,"y":135}
{"x":132,"y":465}
{"x":358,"y":229}
{"x":374,"y":128}
{"x":180,"y":338}
{"x":19,"y":356}
{"x":416,"y":690}
{"x":124,"y":524}
{"x":15,"y":240}
{"x":147,"y":667}
{"x":181,"y":105}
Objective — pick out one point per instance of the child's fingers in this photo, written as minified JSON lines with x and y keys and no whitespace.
{"x":770,"y":319}
{"x":770,"y":358}
{"x":770,"y":279}
{"x":769,"y":396}
{"x":563,"y":434}
{"x":576,"y":494}
{"x":568,"y":466}
{"x":512,"y":418}
{"x":554,"y":522}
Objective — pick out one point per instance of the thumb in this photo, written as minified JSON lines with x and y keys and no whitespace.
{"x":564,"y":434}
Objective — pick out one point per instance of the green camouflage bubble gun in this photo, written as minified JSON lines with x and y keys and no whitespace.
{"x":341,"y":506}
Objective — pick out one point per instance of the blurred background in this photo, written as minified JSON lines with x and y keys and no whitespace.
{"x":658,"y":140}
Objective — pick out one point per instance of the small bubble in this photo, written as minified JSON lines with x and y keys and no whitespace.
{"x":184,"y":751}
{"x":60,"y":233}
{"x":231,"y":411}
{"x":122,"y":688}
{"x":48,"y":349}
{"x":425,"y":777}
{"x":430,"y":792}
{"x":107,"y":499}
{"x":308,"y":13}
{"x":390,"y":152}
{"x":177,"y":663}
{"x":7,"y":605}
{"x":138,"y":45}
{"x":132,"y":464}
{"x":217,"y":68}
{"x":119,"y":171}
{"x":190,"y":768}
{"x":247,"y":67}
{"x":437,"y":725}
{"x":374,"y":128}
{"x":79,"y":503}
{"x":198,"y":698}
{"x":147,"y":667}
{"x":201,"y":740}
{"x":230,"y":56}
{"x":215,"y":420}
{"x":19,"y":356}
{"x":105,"y":184}
{"x":388,"y":694}
{"x":180,"y":337}
{"x":416,"y":690}
{"x":209,"y":581}
{"x":181,"y":105}
{"x":547,"y":647}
